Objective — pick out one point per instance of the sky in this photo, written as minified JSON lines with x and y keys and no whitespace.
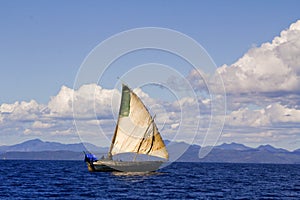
{"x":253,"y":44}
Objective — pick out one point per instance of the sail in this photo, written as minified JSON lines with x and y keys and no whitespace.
{"x":136,"y":130}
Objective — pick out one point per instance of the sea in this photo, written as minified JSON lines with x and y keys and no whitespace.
{"x":24,"y":179}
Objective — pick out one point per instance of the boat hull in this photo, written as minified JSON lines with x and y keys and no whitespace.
{"x":124,"y":166}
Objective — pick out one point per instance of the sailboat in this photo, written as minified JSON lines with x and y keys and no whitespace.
{"x":135,"y":132}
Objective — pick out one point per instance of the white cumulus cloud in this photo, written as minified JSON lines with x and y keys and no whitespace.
{"x":21,"y":111}
{"x":272,"y":67}
{"x":88,"y":101}
{"x":272,"y":115}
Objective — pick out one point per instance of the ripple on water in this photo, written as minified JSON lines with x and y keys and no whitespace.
{"x":70,"y":179}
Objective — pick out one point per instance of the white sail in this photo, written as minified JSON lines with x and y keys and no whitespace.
{"x":136,"y":130}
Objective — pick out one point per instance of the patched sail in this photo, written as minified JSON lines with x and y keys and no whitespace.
{"x":136,"y":130}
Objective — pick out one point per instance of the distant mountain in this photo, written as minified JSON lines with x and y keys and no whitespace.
{"x":239,"y":153}
{"x":251,"y":156}
{"x":183,"y":152}
{"x":233,"y":146}
{"x":42,"y":155}
{"x":179,"y":151}
{"x":269,"y":148}
{"x":38,"y":145}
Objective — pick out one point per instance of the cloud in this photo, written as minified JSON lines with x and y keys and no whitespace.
{"x":56,"y":118}
{"x":282,"y":114}
{"x":274,"y":115}
{"x":61,"y":104}
{"x":274,"y":124}
{"x":41,"y":125}
{"x":247,"y":118}
{"x":272,"y":67}
{"x":21,"y":111}
{"x":87,"y":102}
{"x":268,"y":72}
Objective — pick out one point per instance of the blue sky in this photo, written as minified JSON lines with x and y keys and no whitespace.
{"x":43,"y":44}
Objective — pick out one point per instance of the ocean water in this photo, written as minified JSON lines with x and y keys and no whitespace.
{"x":71,"y":180}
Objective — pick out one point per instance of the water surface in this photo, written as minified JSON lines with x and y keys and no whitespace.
{"x":71,"y":180}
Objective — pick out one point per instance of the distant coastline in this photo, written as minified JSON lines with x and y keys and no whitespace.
{"x":225,"y":153}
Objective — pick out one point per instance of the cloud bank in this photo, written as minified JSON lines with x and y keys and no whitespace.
{"x":95,"y":111}
{"x":262,"y":92}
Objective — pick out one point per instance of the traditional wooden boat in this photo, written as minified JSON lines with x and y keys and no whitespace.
{"x":135,"y":132}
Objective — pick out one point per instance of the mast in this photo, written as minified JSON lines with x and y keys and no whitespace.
{"x":109,"y":155}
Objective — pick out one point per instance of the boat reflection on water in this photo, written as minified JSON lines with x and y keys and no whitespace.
{"x":128,"y":174}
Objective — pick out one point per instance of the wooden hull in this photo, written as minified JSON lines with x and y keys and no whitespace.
{"x":124,"y":166}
